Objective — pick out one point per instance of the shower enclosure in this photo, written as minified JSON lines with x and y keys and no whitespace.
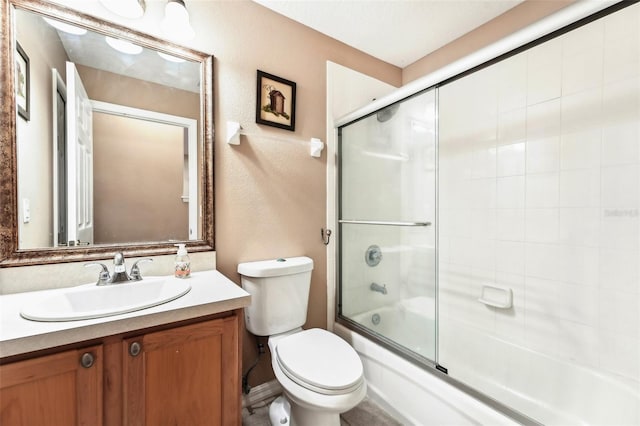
{"x":489,"y":225}
{"x":387,"y":222}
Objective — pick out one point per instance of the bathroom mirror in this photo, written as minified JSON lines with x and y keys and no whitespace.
{"x":102,"y":150}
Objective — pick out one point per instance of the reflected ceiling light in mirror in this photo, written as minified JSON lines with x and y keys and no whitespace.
{"x":175,"y":24}
{"x":70,"y":29}
{"x":131,"y":9}
{"x":170,"y":58}
{"x":123,"y":46}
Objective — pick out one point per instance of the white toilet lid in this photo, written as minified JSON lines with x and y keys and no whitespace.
{"x":320,"y":361}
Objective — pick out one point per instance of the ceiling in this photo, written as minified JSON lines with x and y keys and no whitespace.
{"x":396,"y":31}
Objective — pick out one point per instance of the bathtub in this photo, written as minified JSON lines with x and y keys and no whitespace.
{"x":552,"y":391}
{"x":410,"y":393}
{"x":409,"y":323}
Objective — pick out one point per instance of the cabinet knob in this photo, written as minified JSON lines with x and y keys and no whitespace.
{"x":87,"y":360}
{"x":134,"y":349}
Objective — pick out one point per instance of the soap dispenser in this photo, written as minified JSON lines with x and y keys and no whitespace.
{"x":183,"y":264}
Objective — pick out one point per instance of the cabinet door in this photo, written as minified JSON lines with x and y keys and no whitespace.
{"x":59,"y":389}
{"x":183,"y":376}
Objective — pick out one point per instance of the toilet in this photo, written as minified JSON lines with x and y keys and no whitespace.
{"x":320,"y":374}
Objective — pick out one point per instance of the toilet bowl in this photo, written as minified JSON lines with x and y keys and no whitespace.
{"x":320,"y":374}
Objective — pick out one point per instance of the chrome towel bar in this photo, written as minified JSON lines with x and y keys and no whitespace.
{"x":378,"y":222}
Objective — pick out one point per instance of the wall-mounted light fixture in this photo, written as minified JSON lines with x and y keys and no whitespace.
{"x":175,"y":24}
{"x":131,"y":9}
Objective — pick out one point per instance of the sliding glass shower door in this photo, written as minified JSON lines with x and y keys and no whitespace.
{"x":387,"y":224}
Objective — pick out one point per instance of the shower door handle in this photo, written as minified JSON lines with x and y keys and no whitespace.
{"x":388,"y":223}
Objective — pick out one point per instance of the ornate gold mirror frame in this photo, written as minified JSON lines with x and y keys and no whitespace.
{"x":10,"y":253}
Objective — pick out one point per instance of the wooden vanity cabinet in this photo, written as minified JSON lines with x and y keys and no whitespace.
{"x":183,"y":376}
{"x":60,"y":389}
{"x":168,"y":375}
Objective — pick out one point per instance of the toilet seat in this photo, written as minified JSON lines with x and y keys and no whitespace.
{"x":320,"y":361}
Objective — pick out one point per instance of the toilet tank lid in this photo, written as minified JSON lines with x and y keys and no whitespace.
{"x":276,"y":267}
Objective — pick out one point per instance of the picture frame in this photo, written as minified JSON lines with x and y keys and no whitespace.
{"x":23,"y":83}
{"x":275,"y":101}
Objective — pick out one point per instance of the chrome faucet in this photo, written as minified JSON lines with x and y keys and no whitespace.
{"x":379,"y":288}
{"x":119,"y":271}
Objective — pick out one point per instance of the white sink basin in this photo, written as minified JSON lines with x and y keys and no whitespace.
{"x":92,"y":301}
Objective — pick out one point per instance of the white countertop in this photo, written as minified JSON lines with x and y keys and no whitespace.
{"x":211,"y":293}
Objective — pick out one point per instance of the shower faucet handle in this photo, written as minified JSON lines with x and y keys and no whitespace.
{"x":373,"y":255}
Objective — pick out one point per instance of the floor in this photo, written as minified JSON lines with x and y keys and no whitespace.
{"x":367,"y":413}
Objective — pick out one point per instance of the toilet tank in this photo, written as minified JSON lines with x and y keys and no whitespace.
{"x":279,"y":291}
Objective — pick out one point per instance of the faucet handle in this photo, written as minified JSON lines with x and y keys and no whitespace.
{"x":135,"y":269}
{"x":103,"y":277}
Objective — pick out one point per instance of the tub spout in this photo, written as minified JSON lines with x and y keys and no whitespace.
{"x":379,"y":288}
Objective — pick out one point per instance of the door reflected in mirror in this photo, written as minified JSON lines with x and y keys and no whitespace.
{"x":112,"y":152}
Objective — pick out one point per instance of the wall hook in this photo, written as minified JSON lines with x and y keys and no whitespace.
{"x":326,"y":236}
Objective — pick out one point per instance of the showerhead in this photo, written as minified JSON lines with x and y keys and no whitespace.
{"x":386,"y":114}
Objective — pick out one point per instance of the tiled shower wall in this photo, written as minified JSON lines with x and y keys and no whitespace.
{"x":539,"y":192}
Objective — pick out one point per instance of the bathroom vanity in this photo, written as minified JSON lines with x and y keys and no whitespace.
{"x":176,"y":363}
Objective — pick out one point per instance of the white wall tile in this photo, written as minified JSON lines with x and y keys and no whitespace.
{"x":544,"y":119}
{"x":512,"y":126}
{"x":578,"y":265}
{"x":483,"y":193}
{"x":542,"y":261}
{"x":509,"y":323}
{"x":621,"y":59}
{"x":483,"y":224}
{"x":455,"y":222}
{"x":484,"y":163}
{"x":511,"y":160}
{"x":580,"y":188}
{"x":510,"y":257}
{"x":620,"y":144}
{"x":570,"y":264}
{"x":621,"y":102}
{"x":578,"y":343}
{"x":542,"y":190}
{"x":510,"y":224}
{"x":543,"y":155}
{"x":510,"y":192}
{"x":619,"y":270}
{"x":619,"y":229}
{"x":579,"y":226}
{"x":512,"y":78}
{"x":620,"y":186}
{"x":544,"y":76}
{"x":581,"y":71}
{"x":621,"y":26}
{"x":587,"y":37}
{"x":484,"y":253}
{"x":582,"y":111}
{"x":541,"y":225}
{"x":541,"y":331}
{"x":461,"y":252}
{"x":619,"y":313}
{"x":580,"y":150}
{"x":620,"y":355}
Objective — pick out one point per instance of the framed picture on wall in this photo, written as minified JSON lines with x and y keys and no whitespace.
{"x":22,"y":82}
{"x":276,"y":101}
